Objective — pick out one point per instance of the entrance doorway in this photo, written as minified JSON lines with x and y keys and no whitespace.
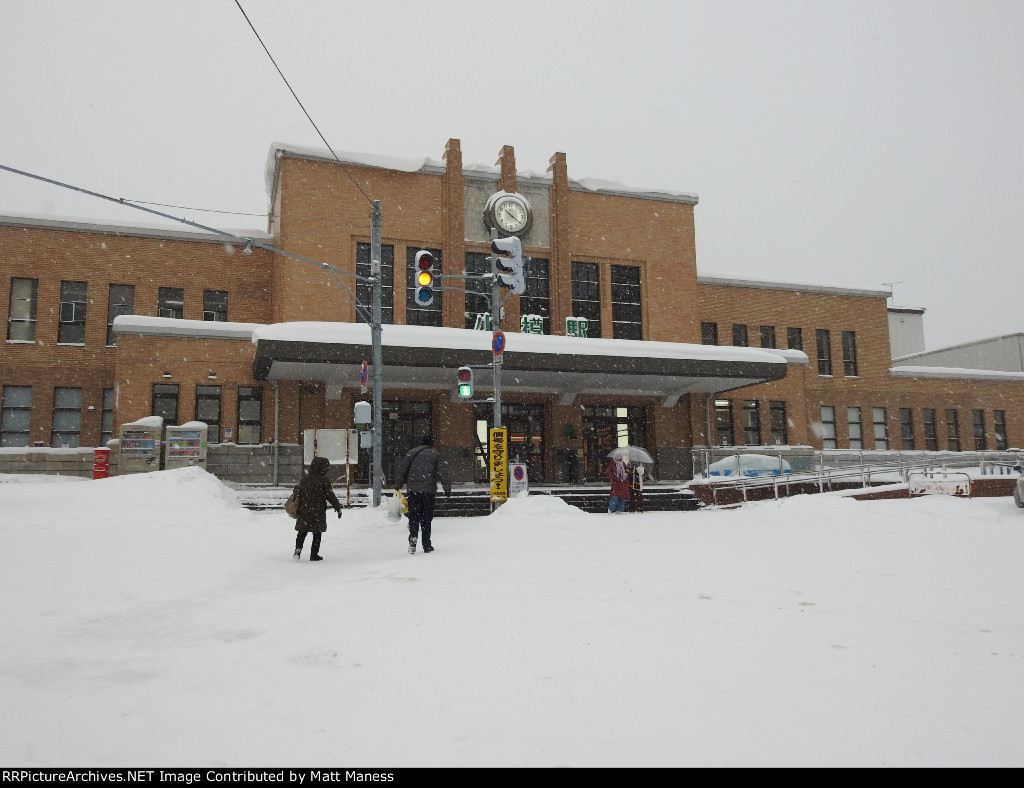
{"x":402,"y":426}
{"x":525,"y":425}
{"x":606,"y":427}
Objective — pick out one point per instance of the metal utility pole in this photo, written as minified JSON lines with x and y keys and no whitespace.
{"x":495,"y":326}
{"x":376,"y":474}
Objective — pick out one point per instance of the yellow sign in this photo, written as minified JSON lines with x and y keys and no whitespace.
{"x":499,"y":464}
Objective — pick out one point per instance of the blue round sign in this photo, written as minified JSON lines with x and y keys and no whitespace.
{"x":498,"y":343}
{"x":517,"y":473}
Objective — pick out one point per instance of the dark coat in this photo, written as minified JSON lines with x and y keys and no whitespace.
{"x":620,"y":487}
{"x":315,"y":494}
{"x":421,"y":469}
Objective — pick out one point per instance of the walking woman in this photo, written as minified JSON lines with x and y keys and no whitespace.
{"x":315,"y":494}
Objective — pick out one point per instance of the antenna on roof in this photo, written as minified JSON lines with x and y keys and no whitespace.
{"x":890,"y":285}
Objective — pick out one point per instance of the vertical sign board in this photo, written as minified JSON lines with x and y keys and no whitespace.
{"x":338,"y":446}
{"x":517,"y":482}
{"x":499,"y":463}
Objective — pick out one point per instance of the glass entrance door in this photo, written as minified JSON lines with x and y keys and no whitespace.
{"x":525,"y":425}
{"x":605,"y":428}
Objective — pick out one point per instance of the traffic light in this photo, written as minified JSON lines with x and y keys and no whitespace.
{"x":465,"y":382}
{"x":424,"y":278}
{"x":509,"y":256}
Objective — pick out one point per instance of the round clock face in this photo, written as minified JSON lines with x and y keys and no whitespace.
{"x":509,"y":213}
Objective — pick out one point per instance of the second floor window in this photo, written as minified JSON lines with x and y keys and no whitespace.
{"x":824,"y":342}
{"x":73,"y":302}
{"x":215,"y":305}
{"x":709,"y":333}
{"x":170,"y":302}
{"x":931,"y":437}
{"x":739,"y":335}
{"x":626,"y":315}
{"x":978,"y":418}
{"x":952,"y":429}
{"x":21,"y":313}
{"x":768,"y":336}
{"x":120,"y":301}
{"x":795,"y":338}
{"x":586,"y":296}
{"x":536,"y":301}
{"x":364,"y":292}
{"x":849,"y":354}
{"x":478,"y":304}
{"x":907,"y":429}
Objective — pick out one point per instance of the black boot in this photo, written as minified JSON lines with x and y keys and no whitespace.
{"x":425,"y":530}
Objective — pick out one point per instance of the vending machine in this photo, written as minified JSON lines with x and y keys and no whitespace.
{"x":139,"y":449}
{"x":185,"y":445}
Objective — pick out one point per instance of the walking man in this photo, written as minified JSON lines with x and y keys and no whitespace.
{"x":420,"y":471}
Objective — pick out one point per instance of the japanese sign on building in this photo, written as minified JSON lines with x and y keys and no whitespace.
{"x":531,"y":324}
{"x":482,"y":322}
{"x":576,"y":327}
{"x":499,"y":463}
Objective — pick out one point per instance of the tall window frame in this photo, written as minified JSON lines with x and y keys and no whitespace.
{"x":908,"y":441}
{"x":930,"y":430}
{"x":794,"y":338}
{"x":537,"y":298}
{"x":849,"y":341}
{"x":215,"y":306}
{"x":120,"y":301}
{"x":250,"y":414}
{"x":740,"y":335}
{"x":66,"y":424}
{"x":21,"y":309}
{"x":15,"y":415}
{"x":880,"y":425}
{"x":107,"y":417}
{"x":999,"y":426}
{"x":823,"y":340}
{"x":364,"y":291}
{"x":855,"y":427}
{"x":165,"y":402}
{"x":74,"y":304}
{"x":952,"y":429}
{"x":751,"y":422}
{"x":709,"y":333}
{"x":208,"y":410}
{"x":724,"y":425}
{"x":767,"y":334}
{"x":828,"y":427}
{"x":478,"y":290}
{"x":586,"y":295}
{"x":778,"y":422}
{"x":627,"y":313}
{"x":170,"y":302}
{"x":978,"y":424}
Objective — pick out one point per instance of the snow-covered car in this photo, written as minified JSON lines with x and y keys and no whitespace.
{"x":749,"y":465}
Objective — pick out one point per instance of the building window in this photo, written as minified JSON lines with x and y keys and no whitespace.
{"x":120,"y":301}
{"x":165,"y":402}
{"x":208,"y":411}
{"x":416,"y":314}
{"x":709,"y":333}
{"x":170,"y":302}
{"x":824,"y":341}
{"x":978,"y":419}
{"x":849,"y":354}
{"x":767,"y":336}
{"x":855,"y":428}
{"x":795,"y":338}
{"x":107,"y":417}
{"x":15,"y":414}
{"x":907,"y":429}
{"x":21,"y":312}
{"x":999,"y":423}
{"x":67,"y":417}
{"x":73,"y":302}
{"x":535,"y":303}
{"x":626,"y":315}
{"x":751,"y":423}
{"x":586,"y":296}
{"x":723,"y":422}
{"x":828,"y":427}
{"x":779,"y":423}
{"x":250,"y":414}
{"x":478,"y":291}
{"x":215,"y":305}
{"x":739,"y":335}
{"x":881,"y":429}
{"x":364,"y":292}
{"x":953,"y":429}
{"x":931,"y":435}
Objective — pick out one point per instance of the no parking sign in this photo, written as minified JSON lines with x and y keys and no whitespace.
{"x":517,"y":481}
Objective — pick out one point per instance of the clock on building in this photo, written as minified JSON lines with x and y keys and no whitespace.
{"x":510,"y":213}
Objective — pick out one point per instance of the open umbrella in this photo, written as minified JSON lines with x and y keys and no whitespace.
{"x":631,"y":454}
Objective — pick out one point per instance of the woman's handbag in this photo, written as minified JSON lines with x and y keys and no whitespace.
{"x":292,"y":504}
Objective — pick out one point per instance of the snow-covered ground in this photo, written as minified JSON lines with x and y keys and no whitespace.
{"x":150,"y":620}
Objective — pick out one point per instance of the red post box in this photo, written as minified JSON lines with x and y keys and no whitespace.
{"x":100,"y":463}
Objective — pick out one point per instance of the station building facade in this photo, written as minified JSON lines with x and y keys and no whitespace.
{"x":617,"y":339}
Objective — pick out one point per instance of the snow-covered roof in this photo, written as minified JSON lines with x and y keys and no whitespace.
{"x":728,"y":280}
{"x":954,"y":373}
{"x":169,"y":326}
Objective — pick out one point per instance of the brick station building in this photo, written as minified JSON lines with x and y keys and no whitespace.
{"x":108,"y":324}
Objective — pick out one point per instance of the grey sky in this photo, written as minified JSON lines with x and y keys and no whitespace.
{"x":845,"y":143}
